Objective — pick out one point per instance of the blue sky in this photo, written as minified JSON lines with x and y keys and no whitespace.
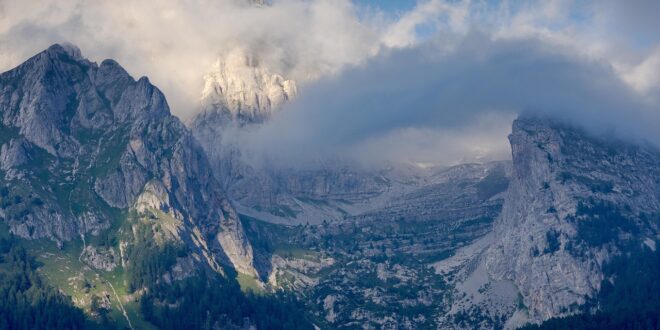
{"x":397,"y":8}
{"x":394,"y":7}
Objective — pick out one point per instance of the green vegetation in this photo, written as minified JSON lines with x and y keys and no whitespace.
{"x":61,"y":268}
{"x":600,"y":222}
{"x":26,"y":301}
{"x":292,"y":251}
{"x":380,"y":269}
{"x":148,"y":258}
{"x":206,"y":303}
{"x":249,"y":284}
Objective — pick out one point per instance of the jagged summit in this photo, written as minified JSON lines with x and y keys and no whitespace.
{"x":242,"y":88}
{"x":49,"y":58}
{"x":58,"y":90}
{"x":88,"y":141}
{"x":70,"y":49}
{"x":239,"y":91}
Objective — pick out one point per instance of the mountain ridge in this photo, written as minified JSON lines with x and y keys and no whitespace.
{"x":107,"y":138}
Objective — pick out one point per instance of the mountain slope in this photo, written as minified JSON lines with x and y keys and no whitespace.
{"x":555,"y":231}
{"x":86,"y":148}
{"x":575,"y":202}
{"x":375,"y":269}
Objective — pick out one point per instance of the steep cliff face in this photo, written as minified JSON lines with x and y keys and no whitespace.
{"x":574,"y":201}
{"x":83,"y":144}
{"x":240,"y":88}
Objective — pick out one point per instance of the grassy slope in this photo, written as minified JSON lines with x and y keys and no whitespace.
{"x":63,"y":270}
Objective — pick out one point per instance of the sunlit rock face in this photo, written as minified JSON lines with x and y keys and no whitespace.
{"x":241,"y":89}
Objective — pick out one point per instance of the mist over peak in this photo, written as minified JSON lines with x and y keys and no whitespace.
{"x":427,"y":102}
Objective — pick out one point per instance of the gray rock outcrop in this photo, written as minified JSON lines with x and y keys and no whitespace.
{"x":539,"y":241}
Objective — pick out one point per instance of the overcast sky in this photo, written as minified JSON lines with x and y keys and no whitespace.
{"x":429,"y":81}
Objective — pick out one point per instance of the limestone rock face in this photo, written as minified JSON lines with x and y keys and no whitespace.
{"x":240,"y":88}
{"x":13,"y":154}
{"x":306,"y":195}
{"x":539,"y":240}
{"x":82,"y":141}
{"x":231,"y":237}
{"x":103,"y":259}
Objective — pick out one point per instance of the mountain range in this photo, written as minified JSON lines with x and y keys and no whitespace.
{"x":116,"y":209}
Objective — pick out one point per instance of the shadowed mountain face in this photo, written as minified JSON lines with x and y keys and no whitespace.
{"x":86,"y":148}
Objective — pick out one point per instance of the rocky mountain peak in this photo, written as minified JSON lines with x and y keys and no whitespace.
{"x":574,"y":200}
{"x":58,"y":89}
{"x":54,"y":53}
{"x":243,"y":88}
{"x":70,"y":49}
{"x":85,"y":141}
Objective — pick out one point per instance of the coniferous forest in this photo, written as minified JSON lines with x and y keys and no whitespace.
{"x":201,"y":303}
{"x":26,"y":302}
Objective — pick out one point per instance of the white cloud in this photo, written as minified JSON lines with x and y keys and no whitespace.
{"x":175,"y":42}
{"x":482,"y":139}
{"x":427,"y":103}
{"x":373,"y":85}
{"x":644,"y":77}
{"x":434,"y":14}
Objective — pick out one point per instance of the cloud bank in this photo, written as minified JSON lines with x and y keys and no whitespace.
{"x":175,"y":42}
{"x":437,"y":83}
{"x":444,"y":102}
